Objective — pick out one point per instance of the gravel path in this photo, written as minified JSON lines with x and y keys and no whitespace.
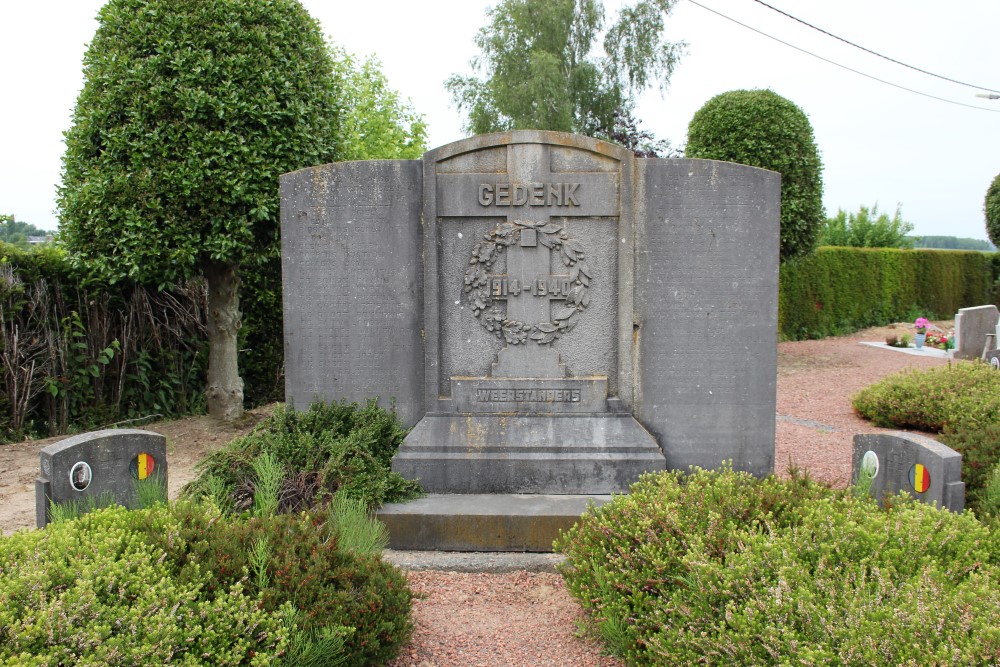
{"x":528,"y":619}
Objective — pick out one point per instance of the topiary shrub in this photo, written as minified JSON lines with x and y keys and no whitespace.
{"x":959,"y":396}
{"x":763,"y":129}
{"x":719,"y":568}
{"x":96,"y":591}
{"x":329,"y":448}
{"x":991,"y":208}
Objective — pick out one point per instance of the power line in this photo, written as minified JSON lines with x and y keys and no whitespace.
{"x":874,"y":53}
{"x":849,"y":69}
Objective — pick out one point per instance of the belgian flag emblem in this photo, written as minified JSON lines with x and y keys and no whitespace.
{"x":920,"y":478}
{"x":142,"y":466}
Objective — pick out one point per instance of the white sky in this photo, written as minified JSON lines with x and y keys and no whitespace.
{"x":879,"y":144}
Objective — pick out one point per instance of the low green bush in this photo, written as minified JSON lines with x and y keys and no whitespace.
{"x":184,"y":585}
{"x":980,"y":450}
{"x":719,"y":568}
{"x":336,"y":448}
{"x":961,"y":396}
{"x":989,"y":499}
{"x":353,"y":597}
{"x":96,"y":591}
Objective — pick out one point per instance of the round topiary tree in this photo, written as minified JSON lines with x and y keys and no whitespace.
{"x":760,"y":128}
{"x":189,"y":112}
{"x":991,"y":207}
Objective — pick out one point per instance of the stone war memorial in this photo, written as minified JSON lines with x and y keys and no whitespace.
{"x":549,"y":314}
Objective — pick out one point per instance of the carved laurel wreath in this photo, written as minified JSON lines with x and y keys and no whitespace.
{"x":490,"y":315}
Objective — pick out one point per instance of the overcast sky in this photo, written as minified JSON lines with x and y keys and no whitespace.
{"x":878,"y":143}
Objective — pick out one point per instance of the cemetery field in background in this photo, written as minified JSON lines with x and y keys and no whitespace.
{"x":528,"y":619}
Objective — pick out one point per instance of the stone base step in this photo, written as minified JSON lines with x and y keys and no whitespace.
{"x":510,"y":454}
{"x":483,"y":522}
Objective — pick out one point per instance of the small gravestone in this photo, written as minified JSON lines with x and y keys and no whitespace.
{"x":921,"y":466}
{"x":971,"y":327}
{"x":98,"y":467}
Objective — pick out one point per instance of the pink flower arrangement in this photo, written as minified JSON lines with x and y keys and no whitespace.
{"x":921,"y":324}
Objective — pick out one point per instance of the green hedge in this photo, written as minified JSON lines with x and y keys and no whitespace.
{"x":78,"y":352}
{"x":836,"y":290}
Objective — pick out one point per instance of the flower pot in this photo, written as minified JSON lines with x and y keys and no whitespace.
{"x":918,"y":340}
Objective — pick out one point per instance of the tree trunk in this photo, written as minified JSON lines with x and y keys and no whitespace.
{"x":224,"y":393}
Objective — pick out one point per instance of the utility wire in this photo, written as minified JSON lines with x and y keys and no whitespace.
{"x":874,"y":53}
{"x":827,"y":60}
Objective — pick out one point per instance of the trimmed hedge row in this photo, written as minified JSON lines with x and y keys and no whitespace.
{"x":837,"y":290}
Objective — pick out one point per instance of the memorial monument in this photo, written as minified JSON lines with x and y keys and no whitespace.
{"x":550,"y":314}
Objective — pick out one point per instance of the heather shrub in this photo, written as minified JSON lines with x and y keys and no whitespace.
{"x":327,"y":449}
{"x":341,"y":597}
{"x":989,"y":498}
{"x":980,"y":450}
{"x":719,"y":568}
{"x":959,"y":396}
{"x":96,"y":591}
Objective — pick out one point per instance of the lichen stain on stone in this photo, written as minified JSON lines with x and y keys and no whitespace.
{"x":475,"y":434}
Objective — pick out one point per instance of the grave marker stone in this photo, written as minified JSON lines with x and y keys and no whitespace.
{"x":925,"y":468}
{"x":98,"y":465}
{"x":554,"y":316}
{"x":971,"y":327}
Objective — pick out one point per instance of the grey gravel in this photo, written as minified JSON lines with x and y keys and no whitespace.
{"x":472,"y":561}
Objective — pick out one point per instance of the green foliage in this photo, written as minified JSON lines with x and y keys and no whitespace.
{"x":374,"y":124}
{"x":540,"y":69}
{"x":980,"y":449}
{"x":719,"y":568}
{"x":151,"y":491}
{"x":74,"y":509}
{"x":340,"y":596}
{"x":336,"y":448}
{"x":952,"y":243}
{"x":357,"y":530}
{"x":962,"y":395}
{"x":866,"y":229}
{"x":189,"y":112}
{"x":991,"y":208}
{"x":762,"y":129}
{"x":989,"y":499}
{"x":96,"y":591}
{"x":16,"y":232}
{"x":79,"y":352}
{"x":838,"y":290}
{"x":268,"y":474}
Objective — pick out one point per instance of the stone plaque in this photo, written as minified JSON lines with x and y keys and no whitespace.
{"x":102,"y":465}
